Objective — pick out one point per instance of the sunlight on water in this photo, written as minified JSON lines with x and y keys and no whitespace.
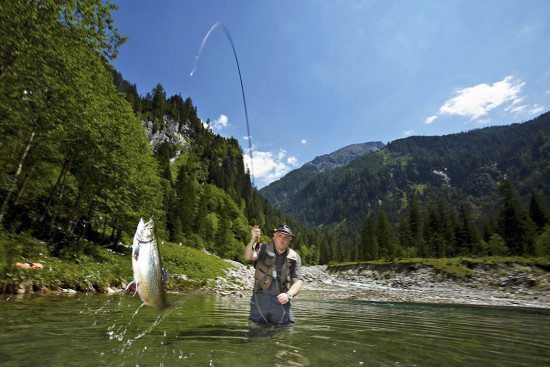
{"x":203,"y":330}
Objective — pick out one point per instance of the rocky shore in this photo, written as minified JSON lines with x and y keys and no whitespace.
{"x":491,"y":285}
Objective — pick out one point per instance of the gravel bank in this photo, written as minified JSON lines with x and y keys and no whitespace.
{"x":495,"y":285}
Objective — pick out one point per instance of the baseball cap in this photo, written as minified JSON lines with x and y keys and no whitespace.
{"x":285,"y":229}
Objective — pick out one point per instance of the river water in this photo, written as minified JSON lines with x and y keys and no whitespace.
{"x":208,"y":330}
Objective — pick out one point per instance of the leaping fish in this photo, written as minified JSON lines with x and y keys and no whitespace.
{"x":149,"y":275}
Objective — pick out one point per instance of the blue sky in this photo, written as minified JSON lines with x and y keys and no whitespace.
{"x":319,"y":75}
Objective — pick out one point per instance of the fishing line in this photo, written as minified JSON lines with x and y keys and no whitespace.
{"x":259,"y":308}
{"x":228,"y":35}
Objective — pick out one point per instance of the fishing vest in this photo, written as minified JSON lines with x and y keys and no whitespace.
{"x":266,"y":271}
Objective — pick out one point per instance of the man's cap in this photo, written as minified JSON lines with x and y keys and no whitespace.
{"x":285,"y":229}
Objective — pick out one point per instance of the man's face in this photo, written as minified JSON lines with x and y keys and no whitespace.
{"x":281,"y":241}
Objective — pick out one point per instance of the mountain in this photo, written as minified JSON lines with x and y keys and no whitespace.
{"x":343,"y":156}
{"x":280,"y":191}
{"x":482,"y":192}
{"x":464,"y":168}
{"x":208,"y":197}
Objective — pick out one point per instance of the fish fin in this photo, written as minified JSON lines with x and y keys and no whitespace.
{"x":133,"y":285}
{"x":165,"y":275}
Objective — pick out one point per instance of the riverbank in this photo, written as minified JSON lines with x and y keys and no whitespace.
{"x":500,"y":284}
{"x":519,"y":282}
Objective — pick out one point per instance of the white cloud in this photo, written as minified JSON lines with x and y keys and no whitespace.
{"x":532,"y":110}
{"x":221,"y":123}
{"x":270,"y":166}
{"x":477,"y":101}
{"x":409,"y":132}
{"x":536,"y":109}
{"x":303,"y":141}
{"x":430,"y":119}
{"x":517,"y":109}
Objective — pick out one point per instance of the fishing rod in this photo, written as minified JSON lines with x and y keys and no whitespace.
{"x":228,"y":35}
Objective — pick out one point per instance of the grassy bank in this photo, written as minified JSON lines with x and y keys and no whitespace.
{"x":95,"y":268}
{"x":454,"y":267}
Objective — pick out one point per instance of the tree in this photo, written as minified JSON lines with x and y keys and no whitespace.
{"x":76,"y":151}
{"x":158,"y":102}
{"x":514,"y":225}
{"x":369,"y":241}
{"x":497,"y":246}
{"x":384,"y":233}
{"x":538,"y":212}
{"x":467,"y":236}
{"x":543,"y":242}
{"x":439,"y":230}
{"x":410,"y":225}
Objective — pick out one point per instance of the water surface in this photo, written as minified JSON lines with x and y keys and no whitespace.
{"x":205,"y":330}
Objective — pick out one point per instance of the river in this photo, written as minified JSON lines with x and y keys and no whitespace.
{"x":209,"y":330}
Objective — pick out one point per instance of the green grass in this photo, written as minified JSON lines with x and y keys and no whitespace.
{"x":196,"y":264}
{"x":96,"y":268}
{"x":459,"y":266}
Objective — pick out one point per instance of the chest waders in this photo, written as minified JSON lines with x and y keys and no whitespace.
{"x":266,"y":274}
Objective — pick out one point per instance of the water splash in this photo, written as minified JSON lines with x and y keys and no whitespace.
{"x":228,"y":35}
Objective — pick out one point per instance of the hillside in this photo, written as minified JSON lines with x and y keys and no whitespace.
{"x":83,"y":156}
{"x":449,"y":180}
{"x":469,"y":164}
{"x":280,"y":192}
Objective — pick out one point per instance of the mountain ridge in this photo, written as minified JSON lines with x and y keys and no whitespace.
{"x":295,"y":180}
{"x":471,"y":162}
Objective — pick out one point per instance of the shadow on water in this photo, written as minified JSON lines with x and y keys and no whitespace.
{"x":234,"y":333}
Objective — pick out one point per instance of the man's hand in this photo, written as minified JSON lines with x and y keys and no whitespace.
{"x":282,"y":298}
{"x":249,"y":253}
{"x":256,"y":233}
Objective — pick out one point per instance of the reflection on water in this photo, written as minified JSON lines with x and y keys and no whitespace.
{"x":202,"y":330}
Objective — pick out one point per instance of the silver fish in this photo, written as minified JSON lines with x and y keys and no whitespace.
{"x":149,"y":275}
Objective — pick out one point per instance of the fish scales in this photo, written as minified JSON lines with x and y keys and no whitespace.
{"x":149,"y":275}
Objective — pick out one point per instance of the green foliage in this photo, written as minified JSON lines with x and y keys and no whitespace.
{"x":543,"y":242}
{"x":96,"y":272}
{"x":195,"y":264}
{"x":514,"y":224}
{"x":77,"y":169}
{"x":458,"y":267}
{"x":497,"y":246}
{"x":443,"y":195}
{"x":538,"y":212}
{"x":74,"y":154}
{"x":91,"y":272}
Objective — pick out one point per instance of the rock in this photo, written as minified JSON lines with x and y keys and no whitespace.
{"x":180,"y":276}
{"x":489,"y":285}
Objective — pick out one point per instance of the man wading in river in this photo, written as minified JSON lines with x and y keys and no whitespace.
{"x":278,"y":276}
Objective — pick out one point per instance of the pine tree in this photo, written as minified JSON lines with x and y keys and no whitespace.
{"x":384,"y":234}
{"x":467,"y":237}
{"x":369,"y":241}
{"x":542,"y":247}
{"x":224,"y":235}
{"x":440,"y":229}
{"x":514,"y":225}
{"x":158,"y":102}
{"x":410,"y":226}
{"x":537,"y":212}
